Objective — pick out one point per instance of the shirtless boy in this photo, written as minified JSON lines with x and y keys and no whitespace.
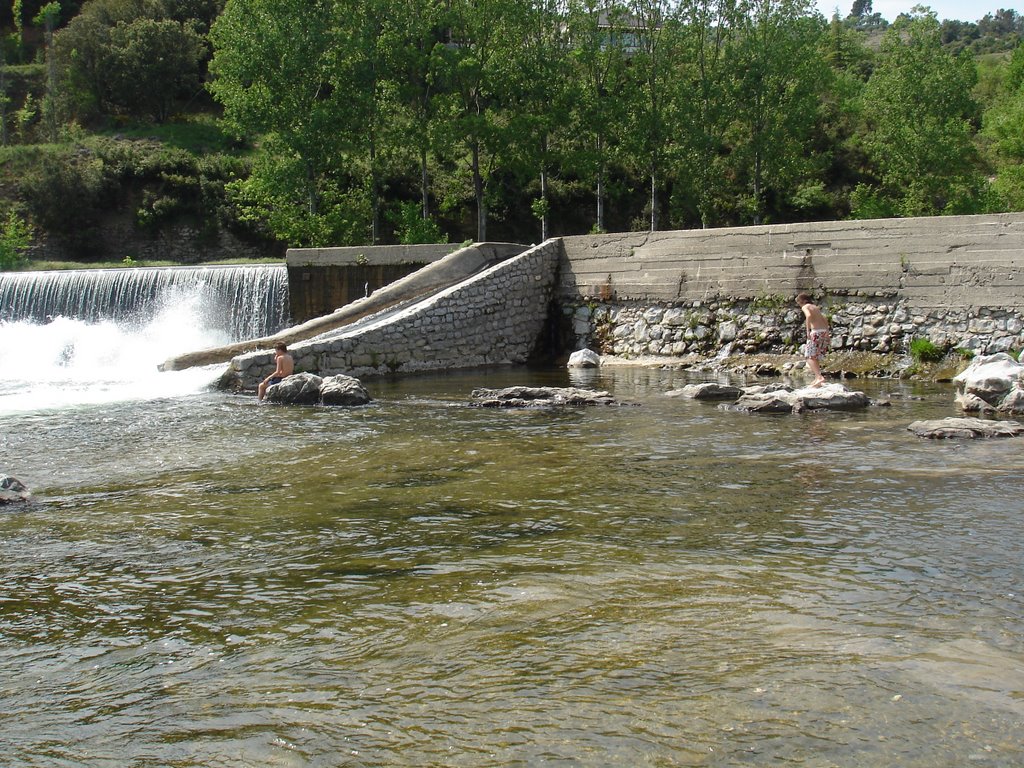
{"x":818,"y":337}
{"x":285,"y":367}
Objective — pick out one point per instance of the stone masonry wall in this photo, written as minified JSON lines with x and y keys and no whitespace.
{"x":958,"y":281}
{"x":494,"y":317}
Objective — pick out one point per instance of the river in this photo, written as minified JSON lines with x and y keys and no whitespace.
{"x":204,"y":581}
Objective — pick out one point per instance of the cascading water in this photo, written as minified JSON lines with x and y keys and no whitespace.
{"x":97,"y":336}
{"x":244,"y":302}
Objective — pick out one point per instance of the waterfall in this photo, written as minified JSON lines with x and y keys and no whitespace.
{"x":242,"y":302}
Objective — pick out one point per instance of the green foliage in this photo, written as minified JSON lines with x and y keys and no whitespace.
{"x":276,"y":194}
{"x":707,"y":113}
{"x":926,"y":351}
{"x":66,"y":192}
{"x":411,"y":228}
{"x":121,"y":57}
{"x":919,"y":109}
{"x":15,"y":238}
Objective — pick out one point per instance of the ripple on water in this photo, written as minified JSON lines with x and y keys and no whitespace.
{"x":421,"y":583}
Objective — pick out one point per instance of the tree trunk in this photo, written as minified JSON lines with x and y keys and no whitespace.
{"x":654,"y":200}
{"x":374,"y":195}
{"x":757,"y":186}
{"x":600,"y":184}
{"x":478,"y":190}
{"x":544,"y":190}
{"x":3,"y":98}
{"x":424,"y":184}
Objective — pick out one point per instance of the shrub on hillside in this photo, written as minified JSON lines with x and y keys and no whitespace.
{"x":15,"y":238}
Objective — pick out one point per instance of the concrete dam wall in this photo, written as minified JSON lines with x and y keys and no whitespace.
{"x":957,"y":280}
{"x":954,"y":280}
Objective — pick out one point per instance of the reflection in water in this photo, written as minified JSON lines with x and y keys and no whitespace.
{"x":203,"y":581}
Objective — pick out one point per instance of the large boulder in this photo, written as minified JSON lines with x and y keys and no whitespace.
{"x":297,"y":389}
{"x":941,"y":429}
{"x":996,"y":380}
{"x":12,"y":490}
{"x":343,"y":390}
{"x":310,"y":389}
{"x":538,"y":397}
{"x":584,"y":358}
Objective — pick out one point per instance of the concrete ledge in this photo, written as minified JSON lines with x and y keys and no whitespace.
{"x":376,"y":254}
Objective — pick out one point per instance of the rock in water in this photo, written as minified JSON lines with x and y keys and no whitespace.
{"x":707,"y":391}
{"x":12,"y":490}
{"x":343,"y":390}
{"x":584,"y":358}
{"x":996,"y":380}
{"x":538,"y":397}
{"x":297,"y":389}
{"x":941,"y":429}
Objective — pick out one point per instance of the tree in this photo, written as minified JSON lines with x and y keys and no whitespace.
{"x":597,"y":75}
{"x":4,"y":99}
{"x":98,"y":76}
{"x":286,"y":72}
{"x":15,"y":238}
{"x":414,"y":27}
{"x":471,"y":99}
{"x":1003,"y":129}
{"x":658,"y":39}
{"x":47,"y":18}
{"x":780,"y":72}
{"x":533,"y":70}
{"x":707,"y":96}
{"x":919,"y":111}
{"x":152,"y":64}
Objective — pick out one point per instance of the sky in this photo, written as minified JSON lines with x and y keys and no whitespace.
{"x":963,"y":10}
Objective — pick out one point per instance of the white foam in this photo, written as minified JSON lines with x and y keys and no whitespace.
{"x":66,"y":363}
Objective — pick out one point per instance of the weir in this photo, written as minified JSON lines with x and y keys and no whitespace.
{"x":243,"y":301}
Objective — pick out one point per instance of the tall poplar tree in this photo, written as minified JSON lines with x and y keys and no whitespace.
{"x":779,"y":74}
{"x":598,"y":76}
{"x":706,"y":93}
{"x":654,"y":38}
{"x":469,"y":60}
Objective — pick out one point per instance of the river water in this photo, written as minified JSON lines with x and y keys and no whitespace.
{"x":204,"y":581}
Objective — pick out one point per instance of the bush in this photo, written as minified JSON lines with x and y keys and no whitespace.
{"x":411,"y":228}
{"x":15,"y":238}
{"x":66,"y":192}
{"x":925,"y":351}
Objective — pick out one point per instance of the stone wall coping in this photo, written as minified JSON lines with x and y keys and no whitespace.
{"x":381,"y":254}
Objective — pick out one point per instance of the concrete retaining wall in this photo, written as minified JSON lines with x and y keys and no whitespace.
{"x":956,"y":280}
{"x":321,"y":280}
{"x":494,"y":317}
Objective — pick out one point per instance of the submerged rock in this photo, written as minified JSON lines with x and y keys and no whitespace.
{"x":539,"y":397}
{"x":12,"y":490}
{"x":966,"y":427}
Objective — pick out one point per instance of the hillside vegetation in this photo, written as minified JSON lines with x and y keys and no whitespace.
{"x":319,"y":122}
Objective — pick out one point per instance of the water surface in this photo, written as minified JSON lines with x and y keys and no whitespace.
{"x":202,"y":581}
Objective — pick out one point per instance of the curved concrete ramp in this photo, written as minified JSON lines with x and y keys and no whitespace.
{"x":493,"y":317}
{"x":451,"y":270}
